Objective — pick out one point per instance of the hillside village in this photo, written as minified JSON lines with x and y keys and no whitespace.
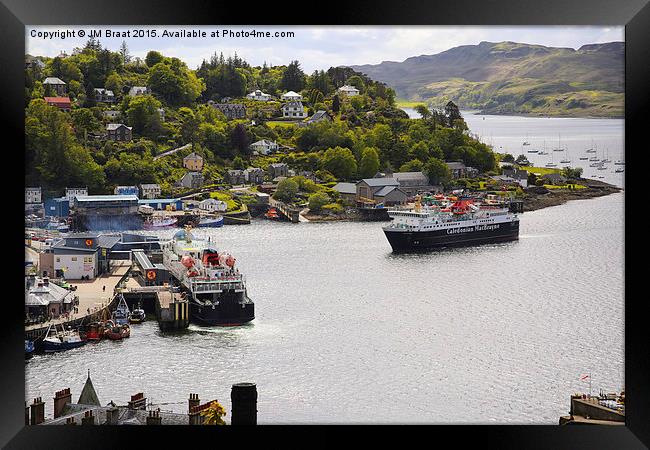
{"x":106,"y":123}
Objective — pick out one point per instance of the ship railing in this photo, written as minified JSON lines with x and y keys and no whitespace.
{"x":215,"y":286}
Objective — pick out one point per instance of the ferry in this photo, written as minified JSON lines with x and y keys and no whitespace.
{"x":460,"y":223}
{"x":215,"y":288}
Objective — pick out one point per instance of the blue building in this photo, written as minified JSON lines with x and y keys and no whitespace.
{"x":57,"y":207}
{"x":162,"y":203}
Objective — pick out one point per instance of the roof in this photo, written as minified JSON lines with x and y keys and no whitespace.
{"x":193,"y":155}
{"x":376,"y":182}
{"x":384,"y":191}
{"x":264,"y":142}
{"x":347,"y":87}
{"x":105,"y":91}
{"x":103,"y":198}
{"x":291,"y":94}
{"x":455,"y":165}
{"x":293,"y":105}
{"x":108,"y":241}
{"x":115,"y":126}
{"x":318,"y":115}
{"x":278,"y":165}
{"x":149,"y":186}
{"x":409,"y":175}
{"x":57,"y":99}
{"x":88,"y":394}
{"x":345,"y":188}
{"x":44,"y":295}
{"x":53,"y":80}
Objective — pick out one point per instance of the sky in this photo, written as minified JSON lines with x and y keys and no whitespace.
{"x":316,"y":47}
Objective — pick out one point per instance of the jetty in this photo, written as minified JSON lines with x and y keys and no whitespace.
{"x":289,"y":212}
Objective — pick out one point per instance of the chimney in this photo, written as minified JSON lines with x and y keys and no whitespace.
{"x":61,"y":398}
{"x":37,"y":409}
{"x":192,"y":402}
{"x":70,"y":421}
{"x":243,"y":398}
{"x":154,"y":418}
{"x":88,"y":418}
{"x":46,"y":281}
{"x":112,"y":416}
{"x":138,"y":401}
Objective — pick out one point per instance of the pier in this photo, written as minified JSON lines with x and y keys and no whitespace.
{"x":96,"y":300}
{"x":170,"y":307}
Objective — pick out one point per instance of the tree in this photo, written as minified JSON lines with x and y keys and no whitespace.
{"x":293,"y":78}
{"x":414,"y":165}
{"x":318,"y":200}
{"x":508,"y":158}
{"x":286,"y":190}
{"x":240,"y":139}
{"x":153,"y":58}
{"x":212,"y":415}
{"x":336,"y":104}
{"x":238,"y":163}
{"x":453,"y":113}
{"x":522,"y":160}
{"x":174,"y":82}
{"x":340,"y":162}
{"x":124,"y":53}
{"x":143,"y":115}
{"x":437,"y":171}
{"x":423,"y":111}
{"x":369,"y":163}
{"x":572,"y":172}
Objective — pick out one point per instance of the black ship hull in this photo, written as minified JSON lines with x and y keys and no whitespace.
{"x":226,"y":310}
{"x":409,"y":241}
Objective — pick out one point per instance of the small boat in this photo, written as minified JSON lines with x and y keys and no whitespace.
{"x":121,"y":313}
{"x":210,"y":222}
{"x":62,"y":340}
{"x":272,"y":214}
{"x":550,"y":164}
{"x":95,"y":331}
{"x":619,"y":163}
{"x":29,"y":349}
{"x":602,"y":168}
{"x":583,"y":158}
{"x":160,"y":222}
{"x":533,"y":151}
{"x":565,"y":161}
{"x":619,"y":170}
{"x":591,"y":150}
{"x":119,"y":332}
{"x":594,"y":158}
{"x":137,"y":315}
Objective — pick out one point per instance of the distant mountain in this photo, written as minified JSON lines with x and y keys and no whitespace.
{"x":513,"y":78}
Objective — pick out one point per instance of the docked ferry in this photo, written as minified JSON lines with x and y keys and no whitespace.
{"x":459,"y":223}
{"x":215,"y":288}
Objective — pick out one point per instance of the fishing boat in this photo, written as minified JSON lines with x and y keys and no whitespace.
{"x":160,"y":222}
{"x":121,"y":314}
{"x":29,"y":349}
{"x":137,"y":315}
{"x":213,"y":222}
{"x":119,"y":332}
{"x":95,"y":331}
{"x":62,"y":340}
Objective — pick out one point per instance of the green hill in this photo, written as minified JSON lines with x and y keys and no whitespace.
{"x":513,"y":78}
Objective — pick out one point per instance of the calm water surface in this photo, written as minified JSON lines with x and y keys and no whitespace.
{"x":506,"y":134}
{"x":348,"y":332}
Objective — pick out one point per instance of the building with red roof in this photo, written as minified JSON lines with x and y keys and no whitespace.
{"x":63,"y":103}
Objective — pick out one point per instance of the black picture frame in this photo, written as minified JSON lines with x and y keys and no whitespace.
{"x":633,"y":14}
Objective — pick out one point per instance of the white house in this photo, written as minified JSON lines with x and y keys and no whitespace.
{"x":212,"y":205}
{"x":33,"y":195}
{"x":294,"y":110}
{"x":291,"y":97}
{"x":71,"y":193}
{"x":350,"y":91}
{"x":264,"y":147}
{"x":150,"y":191}
{"x":259,"y":95}
{"x":138,"y":90}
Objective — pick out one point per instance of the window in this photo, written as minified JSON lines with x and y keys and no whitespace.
{"x":74,"y":258}
{"x":58,"y":259}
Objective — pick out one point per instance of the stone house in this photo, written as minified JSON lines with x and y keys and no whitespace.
{"x":319,"y":116}
{"x":104,"y":95}
{"x":55,"y":84}
{"x":191,"y":180}
{"x":459,"y":170}
{"x":254,"y":175}
{"x":138,"y":90}
{"x":235,"y":176}
{"x":119,"y":132}
{"x":193,"y":162}
{"x":413,"y":182}
{"x":380,"y":190}
{"x":231,"y":110}
{"x":278,"y":170}
{"x":150,"y":191}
